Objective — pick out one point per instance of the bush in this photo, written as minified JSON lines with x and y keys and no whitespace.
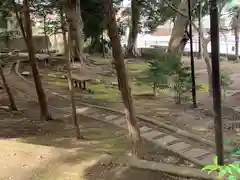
{"x":156,"y":76}
{"x":229,"y":171}
{"x":225,"y":81}
{"x":152,"y":53}
{"x":167,"y":71}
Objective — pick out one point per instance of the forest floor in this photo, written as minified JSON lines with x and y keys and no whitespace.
{"x":198,"y":121}
{"x":35,"y":150}
{"x":48,"y":150}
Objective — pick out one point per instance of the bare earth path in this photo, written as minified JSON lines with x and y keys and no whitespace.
{"x":196,"y":152}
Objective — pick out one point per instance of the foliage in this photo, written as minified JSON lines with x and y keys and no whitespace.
{"x":181,"y":81}
{"x":157,"y":12}
{"x":229,"y":171}
{"x":226,"y":171}
{"x":156,"y":75}
{"x":167,"y":71}
{"x":225,"y":81}
{"x":6,"y":36}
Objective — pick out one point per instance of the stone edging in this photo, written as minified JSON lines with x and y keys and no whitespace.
{"x":143,"y":118}
{"x":167,"y":168}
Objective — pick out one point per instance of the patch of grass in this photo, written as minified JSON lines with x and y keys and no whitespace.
{"x":203,"y":88}
{"x":101,"y":92}
{"x":57,"y":83}
{"x":141,"y":89}
{"x":137,"y":68}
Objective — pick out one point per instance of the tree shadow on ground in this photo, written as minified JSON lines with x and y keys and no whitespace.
{"x":113,"y":171}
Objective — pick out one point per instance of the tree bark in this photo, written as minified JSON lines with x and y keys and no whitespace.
{"x":122,"y":76}
{"x":63,"y":26}
{"x":205,"y":41}
{"x":76,"y":28}
{"x":132,"y":50}
{"x":45,"y":34}
{"x":71,"y":91}
{"x":154,"y":90}
{"x":236,"y":42}
{"x":180,"y":26}
{"x":10,"y":96}
{"x":31,"y":54}
{"x":200,"y":55}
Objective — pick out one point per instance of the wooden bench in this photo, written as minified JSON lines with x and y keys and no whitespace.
{"x":80,"y":81}
{"x":232,"y":125}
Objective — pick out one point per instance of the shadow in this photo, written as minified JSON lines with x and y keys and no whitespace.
{"x":113,"y":171}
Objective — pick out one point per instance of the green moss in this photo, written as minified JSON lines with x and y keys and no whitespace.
{"x":102,"y":92}
{"x":137,"y":68}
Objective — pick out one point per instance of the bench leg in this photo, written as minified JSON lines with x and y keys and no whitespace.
{"x":84,"y":85}
{"x":75,"y":83}
{"x":80,"y":84}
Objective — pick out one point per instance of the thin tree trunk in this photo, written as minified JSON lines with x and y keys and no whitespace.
{"x":71,"y":90}
{"x":154,"y":90}
{"x":132,"y":50}
{"x":45,"y":34}
{"x":122,"y":76}
{"x":179,"y":28}
{"x":236,"y":42}
{"x":31,"y":54}
{"x":200,"y":55}
{"x":10,"y":96}
{"x":63,"y":26}
{"x":205,"y":41}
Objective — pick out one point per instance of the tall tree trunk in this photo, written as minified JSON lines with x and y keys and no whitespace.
{"x":180,"y":26}
{"x":71,"y":90}
{"x":31,"y":54}
{"x":76,"y":28}
{"x":63,"y":27}
{"x":236,"y":42}
{"x":132,"y":50}
{"x":10,"y":96}
{"x":200,"y":55}
{"x":122,"y":76}
{"x":45,"y":34}
{"x":205,"y":41}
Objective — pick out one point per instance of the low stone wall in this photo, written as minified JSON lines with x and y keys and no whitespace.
{"x":39,"y":43}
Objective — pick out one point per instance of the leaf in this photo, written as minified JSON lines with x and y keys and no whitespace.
{"x":210,"y":168}
{"x":234,"y":167}
{"x":231,"y":177}
{"x":215,"y":160}
{"x":228,"y":141}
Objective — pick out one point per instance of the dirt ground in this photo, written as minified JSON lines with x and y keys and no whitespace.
{"x":48,"y":150}
{"x":198,"y":121}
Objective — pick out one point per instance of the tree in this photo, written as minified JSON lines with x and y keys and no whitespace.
{"x":178,"y":38}
{"x":63,"y":28}
{"x":26,"y":30}
{"x":10,"y":96}
{"x":235,"y":19}
{"x":122,"y":76}
{"x":134,"y":29}
{"x":42,"y":10}
{"x":73,"y":11}
{"x":71,"y":90}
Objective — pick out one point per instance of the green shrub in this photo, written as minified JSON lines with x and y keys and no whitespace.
{"x":225,"y":81}
{"x":167,"y":71}
{"x":229,"y":171}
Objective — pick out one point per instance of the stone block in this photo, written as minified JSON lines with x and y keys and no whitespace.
{"x":145,"y":129}
{"x":179,"y":146}
{"x":165,"y":140}
{"x":150,"y":135}
{"x":194,"y":153}
{"x":110,"y":117}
